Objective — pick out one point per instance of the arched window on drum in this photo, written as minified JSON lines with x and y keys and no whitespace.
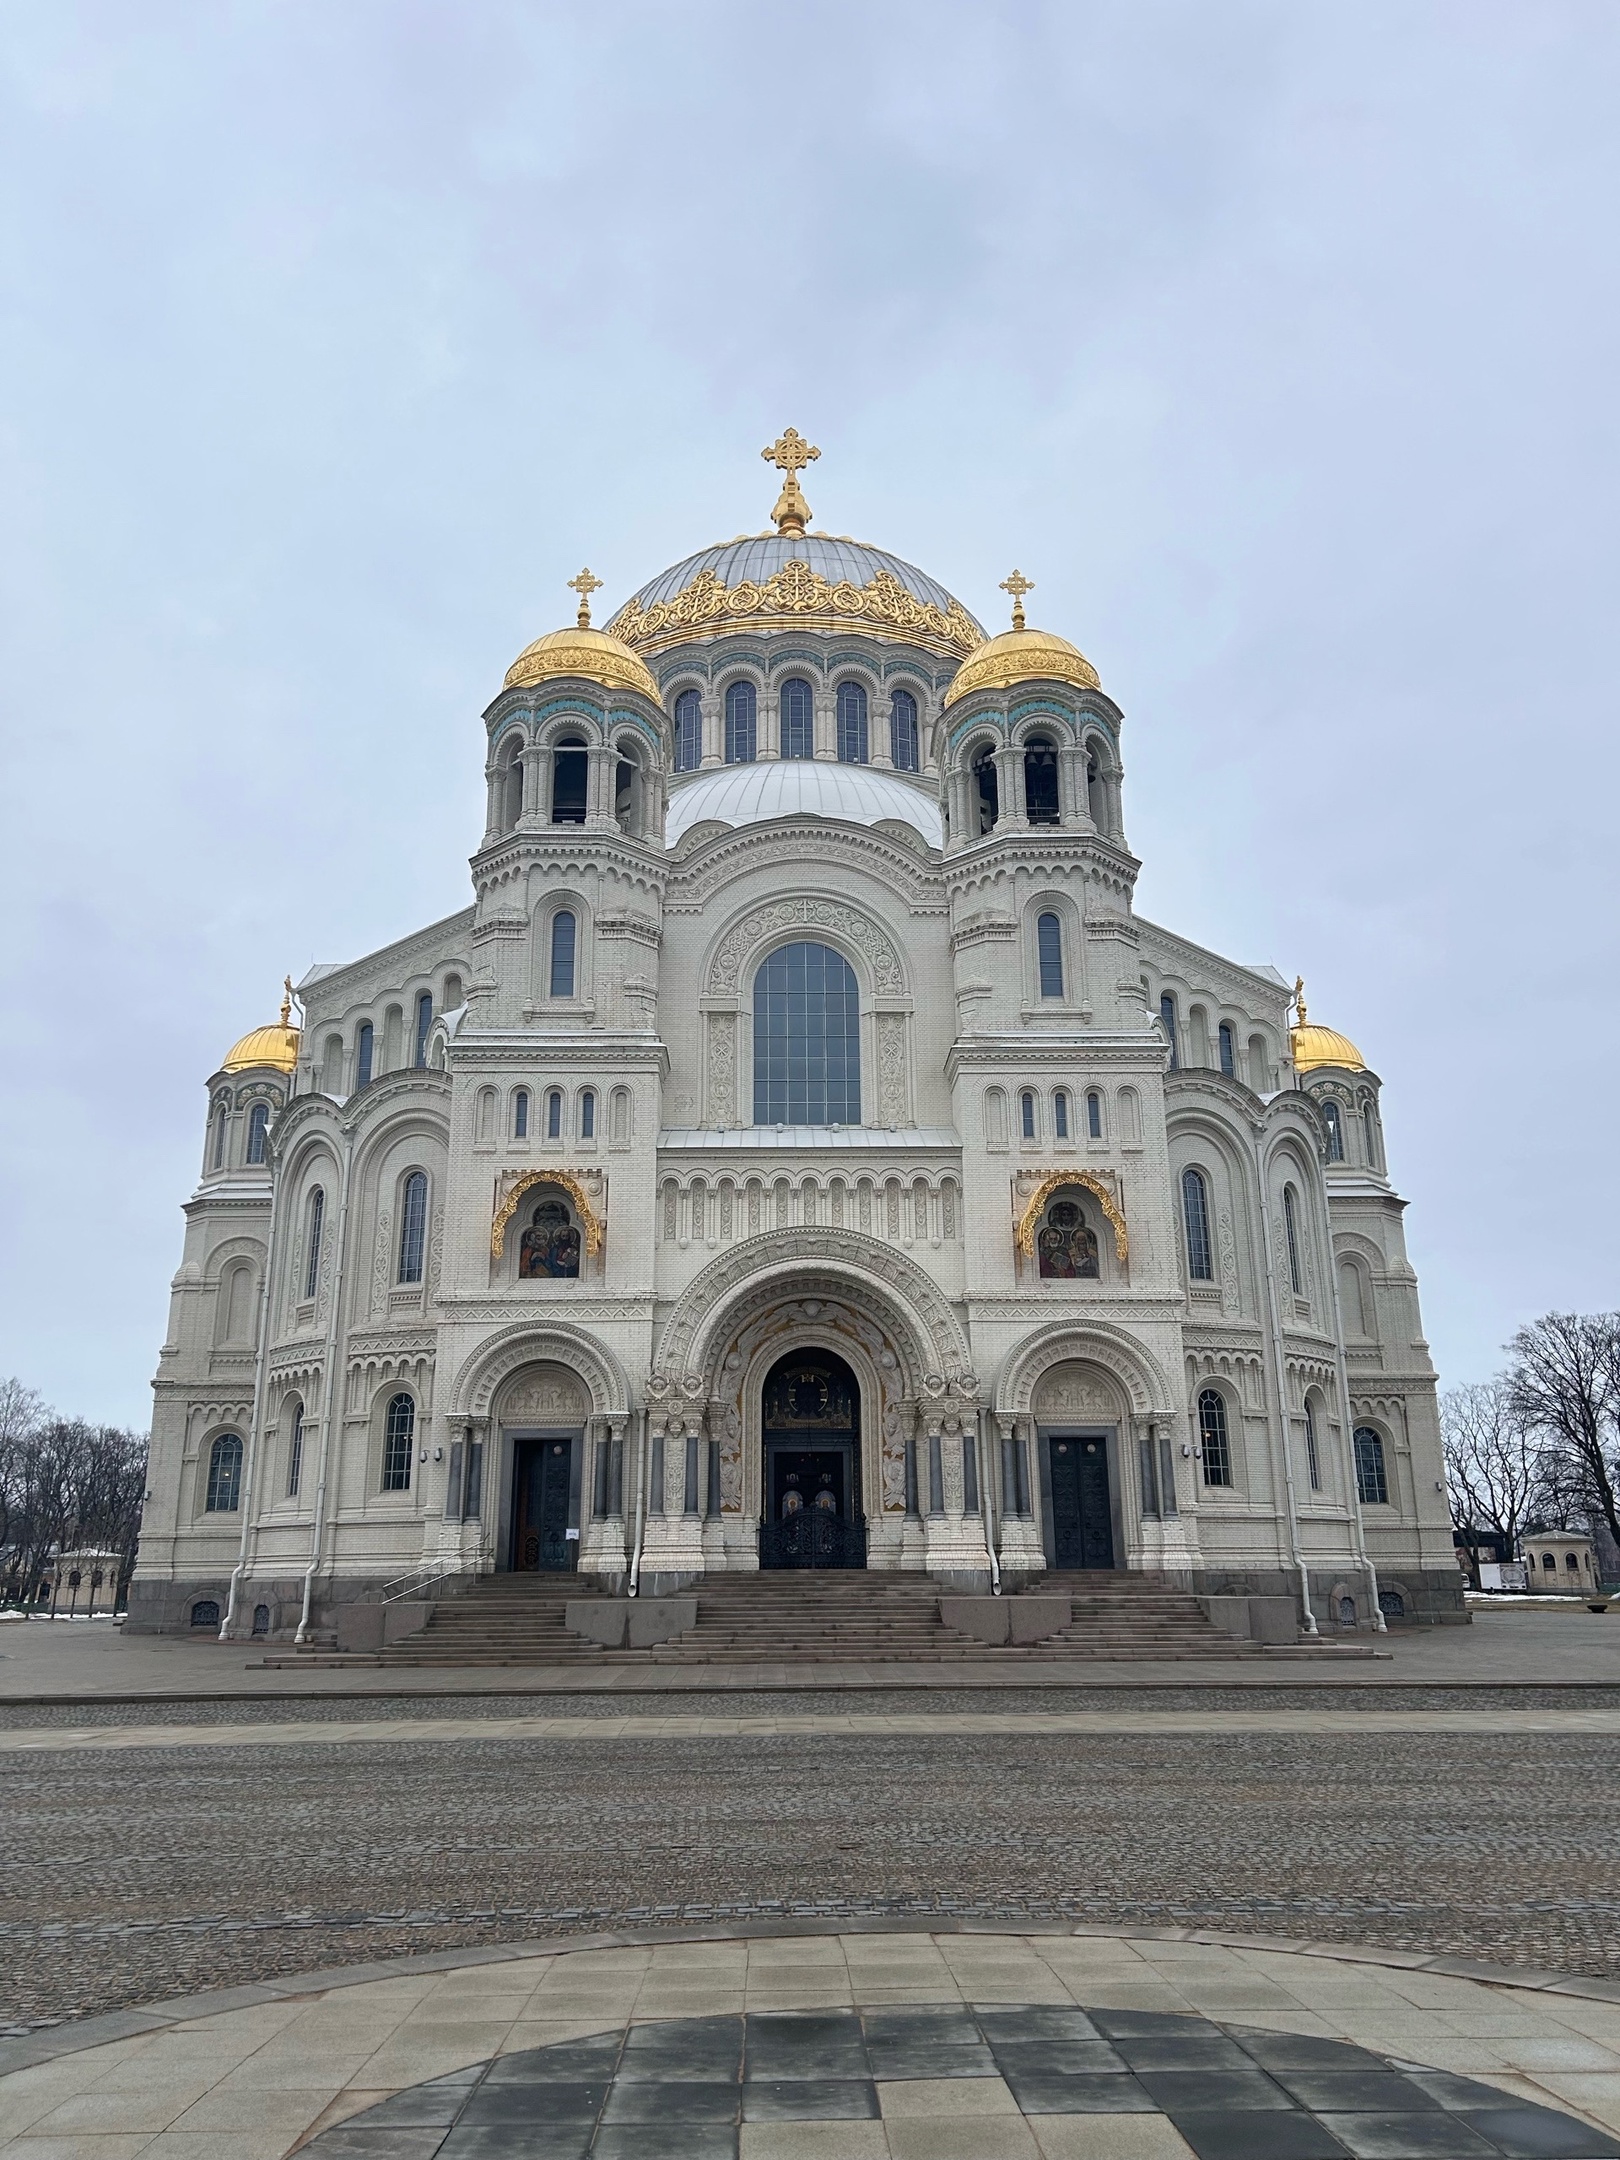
{"x":798,"y":711}
{"x":903,"y":731}
{"x":688,"y":731}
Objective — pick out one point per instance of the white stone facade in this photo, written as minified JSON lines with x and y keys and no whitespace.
{"x":712,"y":1246}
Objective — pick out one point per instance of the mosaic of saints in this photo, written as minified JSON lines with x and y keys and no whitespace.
{"x":550,"y":1244}
{"x":1066,"y":1246}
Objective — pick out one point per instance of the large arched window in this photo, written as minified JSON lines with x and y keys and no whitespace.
{"x":1041,"y":781}
{"x":1195,"y":1218}
{"x":1214,"y":1441}
{"x":1313,"y":1451}
{"x":413,"y":1227}
{"x":852,"y":742}
{"x":364,"y":1050}
{"x":312,"y":1257}
{"x":798,"y":718}
{"x":399,"y":1443}
{"x":1335,"y":1130}
{"x":295,"y":1449}
{"x":740,"y":723}
{"x":688,"y":731}
{"x":424,"y":1023}
{"x":258,"y":1131}
{"x":986,"y":792}
{"x":903,"y":731}
{"x":1372,"y":1478}
{"x":570,"y":779}
{"x":224,"y":1494}
{"x":563,"y":934}
{"x":807,"y":1038}
{"x":1049,"y":952}
{"x":1228,"y":1050}
{"x":1296,"y":1276}
{"x":1167,"y":1020}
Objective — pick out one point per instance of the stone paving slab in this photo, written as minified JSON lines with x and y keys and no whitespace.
{"x":933,"y":2044}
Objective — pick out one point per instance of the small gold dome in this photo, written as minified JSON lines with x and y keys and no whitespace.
{"x":580,"y":651}
{"x":1311,"y":1046}
{"x":1022,"y":656}
{"x":275,"y":1047}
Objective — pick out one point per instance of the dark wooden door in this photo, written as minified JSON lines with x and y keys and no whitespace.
{"x":1082,"y":1521}
{"x":540,"y":1516}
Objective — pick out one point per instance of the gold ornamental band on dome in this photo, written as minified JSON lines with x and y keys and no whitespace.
{"x":801,"y":596}
{"x":1099,"y":1192}
{"x":570,"y":1184}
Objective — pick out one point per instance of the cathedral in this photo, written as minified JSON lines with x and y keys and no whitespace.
{"x":798,"y":1154}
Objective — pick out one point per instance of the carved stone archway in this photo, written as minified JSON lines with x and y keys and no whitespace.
{"x":1131,"y":1364}
{"x":534,"y":1342}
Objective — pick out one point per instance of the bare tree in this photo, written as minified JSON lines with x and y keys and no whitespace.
{"x":21,"y":1411}
{"x":1564,"y":1383}
{"x":1491,"y":1464}
{"x":64,"y":1483}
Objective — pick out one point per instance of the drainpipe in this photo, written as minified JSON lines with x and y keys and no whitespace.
{"x":255,"y":1429}
{"x":330,"y":1401}
{"x":984,"y":1505}
{"x":1280,"y":1382}
{"x":1348,"y":1439}
{"x":641,"y":1509}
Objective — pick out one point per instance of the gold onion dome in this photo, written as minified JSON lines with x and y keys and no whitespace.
{"x":275,"y":1047}
{"x":1311,"y":1046}
{"x":580,"y":650}
{"x":1022,"y":655}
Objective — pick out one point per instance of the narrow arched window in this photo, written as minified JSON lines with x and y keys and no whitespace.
{"x":224,"y":1494}
{"x":688,"y":731}
{"x":1195,"y":1219}
{"x":399,"y":1443}
{"x":570,"y":781}
{"x":258,"y":1131}
{"x":424,"y":1022}
{"x":627,"y":796}
{"x":1335,"y":1130}
{"x":1041,"y":781}
{"x":1313,"y":1453}
{"x":1291,"y":1226}
{"x":1369,"y":1128}
{"x":740,"y":724}
{"x":798,"y":718}
{"x":1060,"y":1114}
{"x":807,"y":1038}
{"x":903,"y":731}
{"x":1228,"y":1050}
{"x":217,"y":1159}
{"x":1096,"y":793}
{"x":1049,"y":952}
{"x":1167,"y":1020}
{"x":1093,"y":1115}
{"x":1026,"y":1113}
{"x":986,"y":792}
{"x":512,"y":784}
{"x":1372,"y":1479}
{"x":312,"y":1259}
{"x":413,"y":1227}
{"x":295,"y":1452}
{"x":1214,"y":1442}
{"x":852,"y":744}
{"x":587,"y":1115}
{"x":554,"y":1114}
{"x":563,"y":936}
{"x":520,"y":1114}
{"x":364,"y":1049}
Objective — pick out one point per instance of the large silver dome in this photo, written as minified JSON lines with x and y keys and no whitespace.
{"x":753,"y":560}
{"x":802,"y":787}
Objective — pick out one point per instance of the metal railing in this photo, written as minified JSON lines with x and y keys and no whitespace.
{"x":414,"y":1585}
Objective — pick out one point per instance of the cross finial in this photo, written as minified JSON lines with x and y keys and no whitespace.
{"x":286,"y":1000}
{"x":585,"y":585}
{"x":790,"y":453}
{"x":1018,"y":585}
{"x":1299,"y":997}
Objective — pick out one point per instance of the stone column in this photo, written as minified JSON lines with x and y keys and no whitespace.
{"x":534,"y":781}
{"x":826,"y":725}
{"x":1011,"y":809}
{"x":1072,"y":805}
{"x":880,"y":731}
{"x":600,"y":762}
{"x":768,"y":739}
{"x":714,"y":733}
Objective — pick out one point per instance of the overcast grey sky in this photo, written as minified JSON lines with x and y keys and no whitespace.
{"x":1277,"y":342}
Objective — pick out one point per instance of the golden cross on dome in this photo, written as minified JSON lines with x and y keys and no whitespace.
{"x":790,"y":453}
{"x":286,"y":1000}
{"x":1018,"y":585}
{"x":1299,"y":997}
{"x":585,"y":585}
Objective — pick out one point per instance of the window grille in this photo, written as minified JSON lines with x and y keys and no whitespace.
{"x":224,"y":1495}
{"x":852,"y":739}
{"x":1195,"y":1217}
{"x":1372,"y":1477}
{"x":798,"y":718}
{"x":1335,"y":1130}
{"x":1041,"y":781}
{"x":564,"y":928}
{"x":688,"y":731}
{"x":570,"y":781}
{"x":312,"y":1261}
{"x":1049,"y":951}
{"x":258,"y":1131}
{"x":1214,"y":1445}
{"x":295,"y":1452}
{"x":903,"y":731}
{"x":399,"y":1441}
{"x":413,"y":1227}
{"x":741,"y":737}
{"x":1313,"y":1459}
{"x":807,"y":1038}
{"x":1291,"y":1226}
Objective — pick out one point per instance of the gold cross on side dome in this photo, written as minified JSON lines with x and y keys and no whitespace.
{"x":584,"y":585}
{"x":790,"y":453}
{"x":1018,"y":585}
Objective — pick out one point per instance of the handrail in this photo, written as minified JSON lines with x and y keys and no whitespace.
{"x":407,"y":1586}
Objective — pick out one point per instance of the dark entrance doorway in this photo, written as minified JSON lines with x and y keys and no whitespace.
{"x":544,"y":1504}
{"x":1082,"y":1514}
{"x":811,"y":1415}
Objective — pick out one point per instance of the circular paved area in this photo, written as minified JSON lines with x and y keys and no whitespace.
{"x":960,"y":2079}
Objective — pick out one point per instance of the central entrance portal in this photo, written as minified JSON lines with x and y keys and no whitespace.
{"x":812,"y":1433}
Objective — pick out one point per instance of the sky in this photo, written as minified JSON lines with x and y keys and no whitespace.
{"x":1275,"y":342}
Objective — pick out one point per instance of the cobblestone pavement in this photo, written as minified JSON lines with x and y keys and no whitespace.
{"x":142,"y":1875}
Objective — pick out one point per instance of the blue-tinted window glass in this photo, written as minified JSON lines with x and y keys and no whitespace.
{"x":554,"y":1115}
{"x":1167,"y":1020}
{"x":1335,"y":1130}
{"x":413,"y":1227}
{"x":562,"y":954}
{"x":363,"y":1055}
{"x":224,"y":1495}
{"x":1291,"y":1225}
{"x":520,"y":1114}
{"x":1026,"y":1114}
{"x":1372,"y":1478}
{"x":1094,"y":1115}
{"x":587,"y":1115}
{"x":312,"y":1261}
{"x":688,"y":731}
{"x":1214,"y":1442}
{"x":903,"y":731}
{"x":1049,"y":947}
{"x":807,"y":1039}
{"x":258,"y":1131}
{"x":424,"y":1021}
{"x":399,"y":1436}
{"x":798,"y":719}
{"x":1228,"y":1051}
{"x":852,"y":747}
{"x":1060,"y":1114}
{"x":1195,"y":1216}
{"x":740,"y":724}
{"x":295,"y":1452}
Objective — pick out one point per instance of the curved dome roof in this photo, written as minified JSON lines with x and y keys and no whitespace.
{"x":275,"y":1047}
{"x":1313,"y":1046}
{"x":1021,"y":655}
{"x":774,"y":580}
{"x":580,"y":650}
{"x":801,"y":787}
